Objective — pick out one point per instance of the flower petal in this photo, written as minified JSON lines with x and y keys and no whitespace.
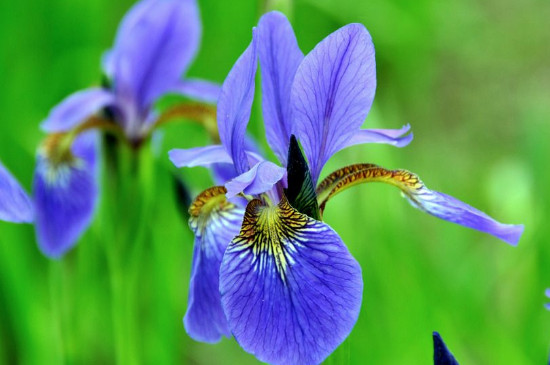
{"x":199,"y":156}
{"x":15,"y":204}
{"x":200,"y":90}
{"x":394,"y":137}
{"x":235,"y":104}
{"x":280,"y":57}
{"x":442,"y":355}
{"x":260,"y":178}
{"x":215,"y":222}
{"x":432,"y":202}
{"x":155,"y":43}
{"x":547,"y":293}
{"x":75,"y":108}
{"x":333,"y":92}
{"x":65,"y":197}
{"x":291,"y":291}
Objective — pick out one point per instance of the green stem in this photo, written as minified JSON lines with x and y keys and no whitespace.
{"x":56,"y":304}
{"x":128,"y":197}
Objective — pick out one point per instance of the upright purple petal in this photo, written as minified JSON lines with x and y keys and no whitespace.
{"x":260,"y":178}
{"x":235,"y":104}
{"x":156,"y":41}
{"x":200,"y":90}
{"x":280,"y":57}
{"x":290,"y":289}
{"x":442,"y":355}
{"x":15,"y":204}
{"x":332,"y":93}
{"x":65,"y":197}
{"x":215,"y":222}
{"x":76,"y":108}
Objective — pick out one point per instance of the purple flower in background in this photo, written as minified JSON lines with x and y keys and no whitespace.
{"x":547,"y":293}
{"x":156,"y":42}
{"x":442,"y":355}
{"x":288,"y":289}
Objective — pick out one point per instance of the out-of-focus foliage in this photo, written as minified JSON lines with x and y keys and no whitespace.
{"x":472,"y":78}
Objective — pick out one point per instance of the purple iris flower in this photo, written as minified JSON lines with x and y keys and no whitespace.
{"x":547,"y":293}
{"x":155,"y":44}
{"x":269,"y":271}
{"x":442,"y":355}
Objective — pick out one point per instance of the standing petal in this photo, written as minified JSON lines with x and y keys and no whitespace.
{"x":333,"y":92}
{"x":280,"y":57}
{"x":65,"y":197}
{"x":215,"y":222}
{"x":75,"y":108}
{"x":154,"y":46}
{"x":290,"y":289}
{"x":442,"y":355}
{"x":15,"y":204}
{"x":235,"y":103}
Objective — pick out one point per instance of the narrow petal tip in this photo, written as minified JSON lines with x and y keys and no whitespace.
{"x":15,"y":204}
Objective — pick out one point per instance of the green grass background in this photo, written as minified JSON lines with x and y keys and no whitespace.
{"x":473,"y":80}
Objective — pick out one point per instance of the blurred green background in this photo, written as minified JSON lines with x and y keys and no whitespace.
{"x":473,"y":80}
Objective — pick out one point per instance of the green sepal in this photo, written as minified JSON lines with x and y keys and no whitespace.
{"x":301,"y":191}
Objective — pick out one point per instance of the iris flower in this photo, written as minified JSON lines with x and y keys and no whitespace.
{"x":442,"y":355}
{"x":547,"y":293}
{"x":266,"y":268}
{"x":155,"y":44}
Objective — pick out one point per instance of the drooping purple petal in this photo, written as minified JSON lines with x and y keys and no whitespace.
{"x":260,"y":178}
{"x":200,"y":90}
{"x":453,"y":210}
{"x":76,"y":108}
{"x":280,"y":57}
{"x":199,"y":156}
{"x":15,"y":204}
{"x":156,"y":41}
{"x":65,"y":197}
{"x":332,"y":93}
{"x":432,"y":202}
{"x":442,"y":355}
{"x":291,"y":291}
{"x":235,"y":103}
{"x":215,"y":223}
{"x":394,"y":137}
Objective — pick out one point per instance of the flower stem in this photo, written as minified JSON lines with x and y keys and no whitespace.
{"x":128,"y":191}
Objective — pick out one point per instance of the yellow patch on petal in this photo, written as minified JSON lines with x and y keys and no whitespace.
{"x":409,"y":183}
{"x":272,"y":231}
{"x":208,"y":205}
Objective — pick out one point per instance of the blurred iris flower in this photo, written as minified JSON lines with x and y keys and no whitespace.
{"x":155,"y":44}
{"x":266,"y":269}
{"x":442,"y":355}
{"x":547,"y":293}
